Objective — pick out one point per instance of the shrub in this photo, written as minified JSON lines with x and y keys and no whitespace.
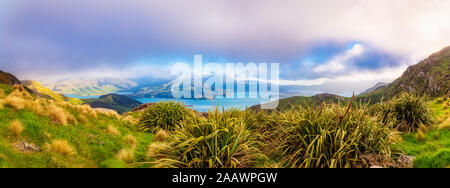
{"x":163,"y":115}
{"x":16,"y":127}
{"x":60,"y":146}
{"x":112,"y":130}
{"x":57,"y":114}
{"x":408,"y":112}
{"x":126,"y":155}
{"x":331,"y":136}
{"x":217,"y":142}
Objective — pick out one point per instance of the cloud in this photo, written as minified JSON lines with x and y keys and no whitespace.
{"x":45,"y":37}
{"x":339,"y":62}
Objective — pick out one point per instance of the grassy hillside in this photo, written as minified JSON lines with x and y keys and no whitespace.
{"x":45,"y":92}
{"x":37,"y":132}
{"x":432,"y":148}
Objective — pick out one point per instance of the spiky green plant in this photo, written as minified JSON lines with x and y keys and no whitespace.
{"x":221,"y":141}
{"x":163,"y":115}
{"x":330,"y":136}
{"x":408,"y":112}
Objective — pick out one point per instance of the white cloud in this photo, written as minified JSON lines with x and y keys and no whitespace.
{"x":340,"y":62}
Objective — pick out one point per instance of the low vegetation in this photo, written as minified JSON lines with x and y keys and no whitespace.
{"x":164,"y":115}
{"x":326,"y":135}
{"x":39,"y":132}
{"x":408,"y":112}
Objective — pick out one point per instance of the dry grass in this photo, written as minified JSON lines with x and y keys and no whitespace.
{"x":126,"y":155}
{"x":2,"y":101}
{"x":57,"y":114}
{"x":15,"y":102}
{"x":82,"y":119}
{"x":420,"y":136}
{"x":2,"y":93}
{"x":60,"y":146}
{"x":156,"y":150}
{"x":161,"y":136}
{"x":112,"y":130}
{"x":131,"y":140}
{"x":445,"y":124}
{"x":16,"y":127}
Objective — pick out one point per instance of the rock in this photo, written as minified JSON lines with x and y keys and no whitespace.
{"x":406,"y":161}
{"x":26,"y":147}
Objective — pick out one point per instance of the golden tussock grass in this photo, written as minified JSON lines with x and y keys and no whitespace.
{"x":420,"y":136}
{"x":445,"y":124}
{"x":57,"y":114}
{"x":130,"y":140}
{"x":110,"y":113}
{"x":82,"y":119}
{"x":16,"y":127}
{"x":158,"y":150}
{"x":18,"y":87}
{"x":112,"y":130}
{"x":15,"y":102}
{"x":2,"y":101}
{"x":161,"y":136}
{"x":126,"y":155}
{"x":60,"y":146}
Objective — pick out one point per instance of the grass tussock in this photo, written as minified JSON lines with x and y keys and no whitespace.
{"x":217,"y":142}
{"x":15,"y":102}
{"x":61,"y":147}
{"x":113,"y":130}
{"x":126,"y":155}
{"x":445,"y":125}
{"x":130,"y":140}
{"x":331,"y":136}
{"x":163,"y":115}
{"x":161,"y":136}
{"x":57,"y":114}
{"x":16,"y":127}
{"x":408,"y":112}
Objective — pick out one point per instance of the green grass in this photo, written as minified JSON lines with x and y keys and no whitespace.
{"x":93,"y":145}
{"x":434,"y":151}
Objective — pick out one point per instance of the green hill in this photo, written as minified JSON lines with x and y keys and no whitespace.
{"x":115,"y":102}
{"x":429,"y":77}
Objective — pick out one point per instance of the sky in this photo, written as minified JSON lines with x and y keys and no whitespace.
{"x":345,"y":44}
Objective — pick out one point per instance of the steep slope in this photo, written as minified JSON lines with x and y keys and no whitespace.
{"x":8,"y":79}
{"x":116,"y":102}
{"x":47,"y":93}
{"x":36,"y":132}
{"x":429,"y":77}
